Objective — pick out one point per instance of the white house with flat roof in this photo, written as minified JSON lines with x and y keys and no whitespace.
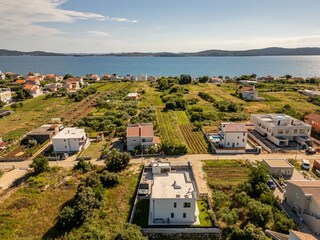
{"x":233,"y":135}
{"x":173,"y":200}
{"x":280,"y":128}
{"x":279,"y":167}
{"x":69,"y":140}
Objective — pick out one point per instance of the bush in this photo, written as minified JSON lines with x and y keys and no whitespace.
{"x":117,"y":161}
{"x":109,"y":179}
{"x":170,"y":148}
{"x":40,"y":164}
{"x":130,"y":232}
{"x":83,"y":166}
{"x":67,"y":217}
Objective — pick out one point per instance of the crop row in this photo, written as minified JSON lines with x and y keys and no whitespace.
{"x":182,"y":118}
{"x":195,"y":140}
{"x":167,"y":129}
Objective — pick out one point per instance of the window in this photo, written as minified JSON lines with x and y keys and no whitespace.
{"x":184,"y":215}
{"x":237,"y":144}
{"x":143,"y":140}
{"x":301,"y":131}
{"x":134,"y":140}
{"x":172,"y":215}
{"x":287,"y":131}
{"x":297,"y":195}
{"x":244,"y":134}
{"x":276,"y":170}
{"x":186,"y":204}
{"x":295,"y":131}
{"x":242,"y":140}
{"x":175,"y":205}
{"x":64,"y":140}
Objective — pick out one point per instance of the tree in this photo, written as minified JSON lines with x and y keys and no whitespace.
{"x":288,"y":76}
{"x":203,"y":79}
{"x":185,"y":79}
{"x":2,"y":104}
{"x":259,"y":213}
{"x":23,"y":94}
{"x":83,"y":166}
{"x":67,"y":217}
{"x":117,"y":161}
{"x":67,"y":76}
{"x":40,"y":164}
{"x":109,"y":179}
{"x":130,"y":232}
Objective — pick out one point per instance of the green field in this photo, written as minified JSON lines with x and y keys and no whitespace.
{"x":225,"y":174}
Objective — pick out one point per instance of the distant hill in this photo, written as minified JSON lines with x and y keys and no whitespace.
{"x":273,"y":51}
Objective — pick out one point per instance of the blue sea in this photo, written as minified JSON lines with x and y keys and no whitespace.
{"x":304,"y":66}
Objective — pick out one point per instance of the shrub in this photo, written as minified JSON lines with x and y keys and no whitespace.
{"x":170,"y":148}
{"x":40,"y":164}
{"x":83,"y":166}
{"x":130,"y":232}
{"x":109,"y":179}
{"x":67,"y":217}
{"x":117,"y":161}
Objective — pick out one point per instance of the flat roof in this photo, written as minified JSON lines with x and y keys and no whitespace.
{"x":278,"y":163}
{"x":70,"y":133}
{"x":172,"y":185}
{"x":161,"y":164}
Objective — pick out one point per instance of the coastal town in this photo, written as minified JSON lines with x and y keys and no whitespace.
{"x":196,"y":155}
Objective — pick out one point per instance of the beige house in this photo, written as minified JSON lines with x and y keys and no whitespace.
{"x":5,"y":95}
{"x":279,"y":167}
{"x":303,"y":197}
{"x":140,"y":135}
{"x":250,"y":93}
{"x":280,"y":128}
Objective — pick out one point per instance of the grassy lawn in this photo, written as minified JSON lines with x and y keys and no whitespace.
{"x":142,"y":213}
{"x":225,"y":174}
{"x":94,"y":150}
{"x":29,"y":212}
{"x":35,"y":111}
{"x":204,"y":216}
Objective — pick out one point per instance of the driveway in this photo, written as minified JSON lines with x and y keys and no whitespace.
{"x":9,"y":177}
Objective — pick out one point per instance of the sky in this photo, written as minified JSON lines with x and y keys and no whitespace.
{"x":104,"y":26}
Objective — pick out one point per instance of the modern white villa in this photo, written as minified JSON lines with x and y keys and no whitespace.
{"x":231,"y":135}
{"x":280,"y":128}
{"x":69,"y":140}
{"x":173,"y":198}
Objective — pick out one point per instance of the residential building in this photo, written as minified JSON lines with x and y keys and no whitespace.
{"x":310,"y":93}
{"x":140,"y":135}
{"x":266,"y":79}
{"x":160,"y":167}
{"x":33,"y":89}
{"x":141,"y":77}
{"x":33,"y":74}
{"x":173,"y":199}
{"x":33,"y":80}
{"x":44,"y":133}
{"x":20,"y":81}
{"x":5,"y":95}
{"x":303,"y":196}
{"x":93,"y":77}
{"x":215,"y":80}
{"x":280,"y":128}
{"x":314,"y":120}
{"x":133,"y":96}
{"x":250,"y":93}
{"x":296,"y":235}
{"x":232,"y":135}
{"x":248,"y":82}
{"x":52,"y":87}
{"x":106,"y":77}
{"x":76,"y":79}
{"x":72,"y":84}
{"x":152,"y":78}
{"x":2,"y":76}
{"x":70,"y":140}
{"x":278,"y":167}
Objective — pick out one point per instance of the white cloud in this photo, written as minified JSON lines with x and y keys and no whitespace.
{"x":99,"y":34}
{"x":25,"y":18}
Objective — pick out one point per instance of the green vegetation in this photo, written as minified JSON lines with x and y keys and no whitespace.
{"x":205,"y":214}
{"x":40,"y":164}
{"x":245,"y":209}
{"x":141,"y":215}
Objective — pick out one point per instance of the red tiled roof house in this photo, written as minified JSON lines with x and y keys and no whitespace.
{"x":140,"y":135}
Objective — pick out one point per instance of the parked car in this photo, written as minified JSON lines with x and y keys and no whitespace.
{"x":271,"y":184}
{"x":310,"y":150}
{"x":305,"y":164}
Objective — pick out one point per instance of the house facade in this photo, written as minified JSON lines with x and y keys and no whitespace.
{"x":70,"y":140}
{"x":250,"y":93}
{"x":35,"y":90}
{"x":280,"y":129}
{"x":304,"y":198}
{"x":5,"y":95}
{"x":43,"y":133}
{"x":233,"y":135}
{"x":140,"y":135}
{"x":173,"y":200}
{"x":279,"y":167}
{"x":314,"y":120}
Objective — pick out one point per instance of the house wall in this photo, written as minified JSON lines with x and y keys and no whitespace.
{"x":68,"y":145}
{"x":133,"y":142}
{"x":295,"y":198}
{"x":235,"y":139}
{"x":162,"y":208}
{"x":312,"y":222}
{"x":315,"y":124}
{"x":249,"y":95}
{"x":6,"y":97}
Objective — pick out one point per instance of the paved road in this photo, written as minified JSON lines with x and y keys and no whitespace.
{"x":68,"y":163}
{"x":9,"y":177}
